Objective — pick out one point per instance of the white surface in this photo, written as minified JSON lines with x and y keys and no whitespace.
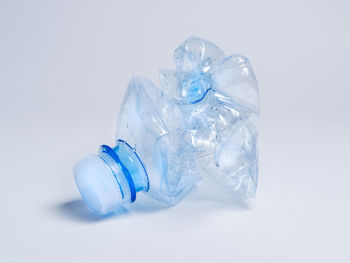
{"x":64,"y":66}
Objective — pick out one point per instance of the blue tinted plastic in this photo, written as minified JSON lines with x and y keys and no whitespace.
{"x":203,"y":121}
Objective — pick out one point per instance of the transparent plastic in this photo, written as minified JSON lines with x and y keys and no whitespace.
{"x":203,"y":121}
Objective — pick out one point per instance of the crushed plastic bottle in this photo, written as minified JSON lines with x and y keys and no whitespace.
{"x":203,"y":121}
{"x":149,"y":156}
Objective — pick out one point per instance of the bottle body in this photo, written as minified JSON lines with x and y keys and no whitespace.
{"x":152,"y":125}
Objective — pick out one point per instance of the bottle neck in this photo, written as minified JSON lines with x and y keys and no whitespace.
{"x":127,"y":169}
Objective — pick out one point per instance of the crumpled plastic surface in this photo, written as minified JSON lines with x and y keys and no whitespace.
{"x":218,"y":98}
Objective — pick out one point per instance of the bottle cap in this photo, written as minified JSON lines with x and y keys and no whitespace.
{"x":97,"y":185}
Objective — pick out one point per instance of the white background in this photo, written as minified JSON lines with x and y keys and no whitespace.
{"x":64,"y":67}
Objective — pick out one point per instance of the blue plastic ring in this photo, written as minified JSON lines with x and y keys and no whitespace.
{"x":108,"y":150}
{"x":144,"y":169}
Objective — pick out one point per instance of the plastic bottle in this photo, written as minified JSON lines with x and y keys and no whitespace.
{"x":204,"y":121}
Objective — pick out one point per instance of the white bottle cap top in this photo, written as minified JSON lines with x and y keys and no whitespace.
{"x":97,"y":185}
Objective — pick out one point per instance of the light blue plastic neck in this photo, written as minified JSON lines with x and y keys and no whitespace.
{"x":129,"y":163}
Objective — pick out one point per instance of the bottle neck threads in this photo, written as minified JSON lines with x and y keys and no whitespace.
{"x":127,"y":168}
